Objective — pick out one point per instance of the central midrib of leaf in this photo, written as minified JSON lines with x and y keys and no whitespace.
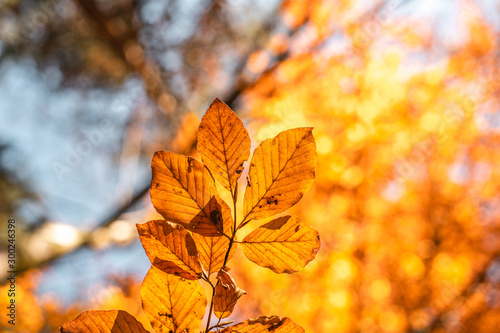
{"x":301,"y":239}
{"x":171,"y":306}
{"x":274,"y":180}
{"x":276,"y":241}
{"x":211,"y":254}
{"x":224,"y":147}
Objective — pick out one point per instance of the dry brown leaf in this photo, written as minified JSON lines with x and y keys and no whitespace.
{"x":171,"y":248}
{"x":213,"y":250}
{"x":226,"y":295}
{"x":284,"y":245}
{"x":281,"y":171}
{"x":265,"y":324}
{"x":114,"y":321}
{"x":223,"y":144}
{"x":183,"y":191}
{"x":171,"y":303}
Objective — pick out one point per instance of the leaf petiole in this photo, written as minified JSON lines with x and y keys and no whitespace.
{"x":234,"y":195}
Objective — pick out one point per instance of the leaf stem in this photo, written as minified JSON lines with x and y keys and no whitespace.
{"x":234,"y":194}
{"x":221,"y":325}
{"x":211,"y":307}
{"x":231,"y":241}
{"x":242,"y":224}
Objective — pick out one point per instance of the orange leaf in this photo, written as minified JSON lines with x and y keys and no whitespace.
{"x":223,"y":144}
{"x":226,"y":295}
{"x":265,"y":324}
{"x":171,"y":303}
{"x":212,"y":250}
{"x":281,"y":171}
{"x":183,"y":191}
{"x":284,"y":245}
{"x":170,"y":248}
{"x":114,"y":321}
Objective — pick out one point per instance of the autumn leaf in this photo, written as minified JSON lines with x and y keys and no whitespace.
{"x":113,"y":321}
{"x":171,"y":303}
{"x":281,"y":171}
{"x":284,"y":245}
{"x":212,"y":250}
{"x":226,"y":295}
{"x":183,"y":191}
{"x":223,"y":144}
{"x":265,"y":324}
{"x":171,"y":248}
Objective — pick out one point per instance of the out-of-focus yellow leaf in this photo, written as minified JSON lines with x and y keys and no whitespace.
{"x":183,"y":191}
{"x":265,"y":324}
{"x":170,"y":248}
{"x":285,"y":245}
{"x":281,"y":171}
{"x":172,"y":304}
{"x":226,"y":295}
{"x":113,"y":321}
{"x":223,"y":144}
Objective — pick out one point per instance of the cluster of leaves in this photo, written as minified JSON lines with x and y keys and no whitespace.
{"x":199,"y":234}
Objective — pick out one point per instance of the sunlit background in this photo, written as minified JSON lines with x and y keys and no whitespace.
{"x":404,"y":99}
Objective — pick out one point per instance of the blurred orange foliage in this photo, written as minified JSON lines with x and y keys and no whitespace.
{"x":406,"y":192}
{"x":47,"y":313}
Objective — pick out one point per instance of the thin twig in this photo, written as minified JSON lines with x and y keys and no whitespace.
{"x":211,"y":307}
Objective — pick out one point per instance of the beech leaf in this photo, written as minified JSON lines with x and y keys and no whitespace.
{"x":281,"y":171}
{"x":223,"y":143}
{"x":213,"y":250}
{"x":284,"y":245}
{"x":265,"y":324}
{"x":226,"y":295}
{"x":183,"y":191}
{"x":171,"y":248}
{"x":171,"y":303}
{"x":113,"y":321}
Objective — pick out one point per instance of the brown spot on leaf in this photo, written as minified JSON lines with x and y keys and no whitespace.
{"x":216,"y":217}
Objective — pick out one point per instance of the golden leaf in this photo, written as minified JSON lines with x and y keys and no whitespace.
{"x":170,"y":248}
{"x":226,"y":295}
{"x":113,"y":321}
{"x":171,"y":303}
{"x":281,"y":171}
{"x":284,"y":245}
{"x":213,"y":250}
{"x":265,"y":324}
{"x":183,"y":191}
{"x":223,"y":144}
